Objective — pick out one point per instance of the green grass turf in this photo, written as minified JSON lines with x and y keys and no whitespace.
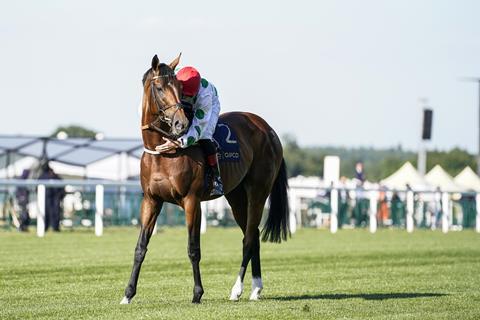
{"x":349,"y":275}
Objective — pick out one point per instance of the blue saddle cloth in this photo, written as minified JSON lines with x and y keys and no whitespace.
{"x":226,"y":140}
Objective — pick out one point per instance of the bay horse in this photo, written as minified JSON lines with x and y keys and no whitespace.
{"x":178,"y":178}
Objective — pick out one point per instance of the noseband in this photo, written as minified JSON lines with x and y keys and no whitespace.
{"x":161,"y":115}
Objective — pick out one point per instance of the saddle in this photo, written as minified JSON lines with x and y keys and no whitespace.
{"x":224,"y":137}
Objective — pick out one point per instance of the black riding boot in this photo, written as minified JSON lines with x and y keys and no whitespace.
{"x":217,"y":189}
{"x":211,"y":154}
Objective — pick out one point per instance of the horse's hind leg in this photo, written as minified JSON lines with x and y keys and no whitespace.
{"x":257,"y":284}
{"x":239,"y":202}
{"x":247,"y":206}
{"x":148,"y":217}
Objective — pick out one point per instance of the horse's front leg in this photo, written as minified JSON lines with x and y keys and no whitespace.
{"x":193,"y":213}
{"x":148,"y":216}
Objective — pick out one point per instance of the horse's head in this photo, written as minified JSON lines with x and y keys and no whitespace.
{"x":162,"y":109}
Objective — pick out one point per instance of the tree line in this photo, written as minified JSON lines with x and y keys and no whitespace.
{"x":378,"y":163}
{"x":308,"y":161}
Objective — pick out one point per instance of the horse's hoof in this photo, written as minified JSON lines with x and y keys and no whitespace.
{"x":196,"y":300}
{"x":257,"y":287}
{"x":125,"y":300}
{"x":255,"y":295}
{"x":234,"y":297}
{"x":236,"y":290}
{"x":197,"y":294}
{"x":236,"y":293}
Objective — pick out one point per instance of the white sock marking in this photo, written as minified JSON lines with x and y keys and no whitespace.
{"x":125,"y":300}
{"x":257,"y":287}
{"x":237,"y":290}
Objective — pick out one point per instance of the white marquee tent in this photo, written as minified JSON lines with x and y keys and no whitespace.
{"x":407,"y":174}
{"x":468,"y":180}
{"x":438,"y":177}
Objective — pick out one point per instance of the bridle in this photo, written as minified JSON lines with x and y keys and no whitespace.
{"x":161,"y":115}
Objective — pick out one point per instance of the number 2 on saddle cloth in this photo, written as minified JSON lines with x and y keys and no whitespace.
{"x":224,"y":144}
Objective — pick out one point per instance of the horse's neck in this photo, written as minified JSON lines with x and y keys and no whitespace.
{"x":151,"y":139}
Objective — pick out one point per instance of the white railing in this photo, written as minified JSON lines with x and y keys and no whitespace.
{"x":98,"y":185}
{"x":296,"y":196}
{"x":442,"y":199}
{"x":42,"y":185}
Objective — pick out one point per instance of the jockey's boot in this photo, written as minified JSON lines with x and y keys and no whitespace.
{"x":210,"y":150}
{"x":217,"y":188}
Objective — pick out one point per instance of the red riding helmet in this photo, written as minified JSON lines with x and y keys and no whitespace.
{"x":190,"y":79}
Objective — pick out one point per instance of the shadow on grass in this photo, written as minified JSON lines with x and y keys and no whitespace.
{"x":366,"y":296}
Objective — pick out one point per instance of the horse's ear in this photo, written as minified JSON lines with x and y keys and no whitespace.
{"x":175,"y":62}
{"x":155,"y":62}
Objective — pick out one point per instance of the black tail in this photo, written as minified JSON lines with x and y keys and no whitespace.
{"x":277,"y":226}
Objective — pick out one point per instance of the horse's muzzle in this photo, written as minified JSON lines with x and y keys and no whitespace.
{"x":179,"y":128}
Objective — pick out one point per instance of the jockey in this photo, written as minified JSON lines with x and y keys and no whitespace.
{"x":203,"y":98}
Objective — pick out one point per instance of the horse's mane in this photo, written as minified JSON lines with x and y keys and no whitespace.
{"x":164,"y":69}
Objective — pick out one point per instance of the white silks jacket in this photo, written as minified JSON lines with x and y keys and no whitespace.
{"x":206,"y":109}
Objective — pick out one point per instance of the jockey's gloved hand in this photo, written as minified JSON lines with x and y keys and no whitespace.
{"x":186,"y":104}
{"x":188,"y":109}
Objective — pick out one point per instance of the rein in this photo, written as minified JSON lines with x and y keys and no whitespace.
{"x":154,"y":152}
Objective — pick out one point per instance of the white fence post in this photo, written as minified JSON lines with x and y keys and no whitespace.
{"x":418,"y":216}
{"x":99,"y":194}
{"x":334,"y":213}
{"x":477,"y":220}
{"x":41,"y":210}
{"x":293,"y":218}
{"x":203,"y":223}
{"x":293,"y":223}
{"x":438,"y":207}
{"x":445,"y":212}
{"x":373,"y":211}
{"x":410,"y":209}
{"x":155,"y":227}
